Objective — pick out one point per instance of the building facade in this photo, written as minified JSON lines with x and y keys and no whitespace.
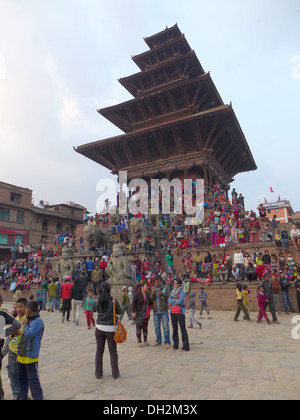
{"x":22,"y":222}
{"x":281,"y":209}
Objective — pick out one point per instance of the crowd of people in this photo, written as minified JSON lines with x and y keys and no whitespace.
{"x":157,"y":289}
{"x":161,"y":295}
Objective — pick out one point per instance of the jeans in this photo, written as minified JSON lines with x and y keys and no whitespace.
{"x":287,"y":302}
{"x":241,"y":267}
{"x":13,"y":374}
{"x":162,"y":318}
{"x":51,"y":303}
{"x":29,"y":378}
{"x":277,"y":302}
{"x":44,"y":299}
{"x":285,"y":243}
{"x":179,"y":319}
{"x":126,"y":308}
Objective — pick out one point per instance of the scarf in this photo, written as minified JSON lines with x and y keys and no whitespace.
{"x":177,"y":291}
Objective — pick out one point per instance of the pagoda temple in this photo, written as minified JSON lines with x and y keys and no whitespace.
{"x":176,"y":125}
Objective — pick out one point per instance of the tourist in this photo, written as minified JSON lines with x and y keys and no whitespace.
{"x":88,"y":309}
{"x":177,"y":310}
{"x":28,"y":353}
{"x":141,"y":313}
{"x":262,"y":300}
{"x":76,"y":299}
{"x":285,"y":284}
{"x":240,"y":305}
{"x":268,"y":290}
{"x":192,"y":308}
{"x":159,"y":297}
{"x":105,"y":330}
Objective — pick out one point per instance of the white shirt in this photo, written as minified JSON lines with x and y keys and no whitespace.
{"x":238,"y":258}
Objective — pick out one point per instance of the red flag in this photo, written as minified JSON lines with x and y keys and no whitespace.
{"x":271,"y":189}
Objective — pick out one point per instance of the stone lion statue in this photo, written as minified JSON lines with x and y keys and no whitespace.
{"x":118,"y":267}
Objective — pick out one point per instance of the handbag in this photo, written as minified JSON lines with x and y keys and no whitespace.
{"x":121,"y":334}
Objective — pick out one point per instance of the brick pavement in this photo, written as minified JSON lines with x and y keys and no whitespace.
{"x":235,"y":361}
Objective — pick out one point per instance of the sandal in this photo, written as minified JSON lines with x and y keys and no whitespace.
{"x":146,"y":343}
{"x":141,"y":345}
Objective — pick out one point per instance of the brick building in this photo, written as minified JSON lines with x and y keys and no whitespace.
{"x":22,"y":222}
{"x":281,"y":208}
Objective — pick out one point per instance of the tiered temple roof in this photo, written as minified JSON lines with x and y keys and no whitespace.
{"x":177,"y":123}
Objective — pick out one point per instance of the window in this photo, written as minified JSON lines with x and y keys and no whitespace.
{"x":3,"y":239}
{"x":58,"y":227}
{"x":20,"y":217}
{"x":15,"y":198}
{"x":4,"y":214}
{"x":45,"y":225}
{"x":18,"y":239}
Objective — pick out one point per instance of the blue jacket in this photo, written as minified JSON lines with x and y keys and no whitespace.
{"x":34,"y":333}
{"x":179,"y":301}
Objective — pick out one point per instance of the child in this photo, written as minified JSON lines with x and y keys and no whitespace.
{"x":203,"y":303}
{"x":39,"y":297}
{"x":246,"y":300}
{"x":262,"y":300}
{"x":14,"y":339}
{"x":192,"y":307}
{"x":290,"y":261}
{"x":125,"y":304}
{"x":88,"y":304}
{"x":28,"y":353}
{"x":240,"y":304}
{"x":130,"y":295}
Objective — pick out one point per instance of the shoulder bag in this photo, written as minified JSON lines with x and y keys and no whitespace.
{"x":121,"y":334}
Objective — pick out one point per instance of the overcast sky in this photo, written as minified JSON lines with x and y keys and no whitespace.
{"x":60,"y":61}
